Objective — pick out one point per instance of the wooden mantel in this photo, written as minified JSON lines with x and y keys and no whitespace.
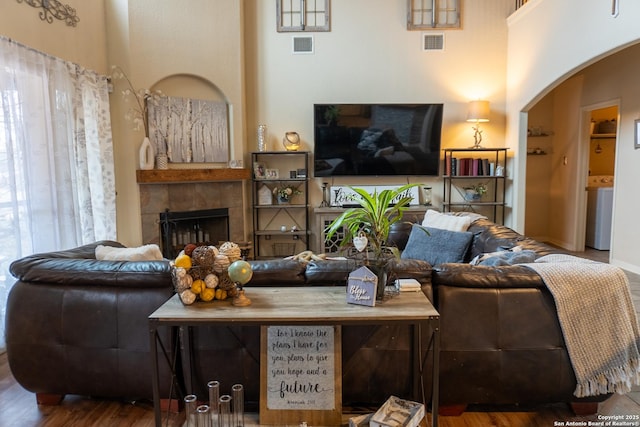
{"x":167,"y":176}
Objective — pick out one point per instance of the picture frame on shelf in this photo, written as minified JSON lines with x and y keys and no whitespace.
{"x":259,"y":170}
{"x":636,"y":133}
{"x":272,"y":174}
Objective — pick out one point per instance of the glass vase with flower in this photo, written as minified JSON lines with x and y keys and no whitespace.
{"x":284,"y":193}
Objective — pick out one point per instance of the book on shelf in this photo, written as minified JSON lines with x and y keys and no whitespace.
{"x":396,"y":412}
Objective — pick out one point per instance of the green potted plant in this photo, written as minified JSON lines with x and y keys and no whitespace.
{"x":475,"y":192}
{"x":370,"y":224}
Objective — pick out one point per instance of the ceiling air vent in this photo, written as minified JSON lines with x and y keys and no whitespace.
{"x":433,"y":41}
{"x":302,"y":44}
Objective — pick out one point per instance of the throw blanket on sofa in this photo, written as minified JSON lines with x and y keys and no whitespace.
{"x":598,"y":321}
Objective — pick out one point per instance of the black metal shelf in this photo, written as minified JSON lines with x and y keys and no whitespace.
{"x":268,"y":240}
{"x":496,"y":182}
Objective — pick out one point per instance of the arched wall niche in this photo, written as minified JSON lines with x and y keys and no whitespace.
{"x":189,"y":86}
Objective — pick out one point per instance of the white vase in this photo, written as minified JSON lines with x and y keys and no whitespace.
{"x":146,"y":154}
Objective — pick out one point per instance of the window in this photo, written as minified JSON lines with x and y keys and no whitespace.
{"x":426,"y":14}
{"x":303,"y":15}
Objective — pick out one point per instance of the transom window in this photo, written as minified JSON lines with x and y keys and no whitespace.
{"x":303,"y":15}
{"x":426,"y":14}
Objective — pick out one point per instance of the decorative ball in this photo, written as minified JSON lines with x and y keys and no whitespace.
{"x":211,"y":281}
{"x":231,"y":250}
{"x":221,"y":263}
{"x":188,"y":250}
{"x":240,"y":272}
{"x":187,"y":297}
{"x":203,"y":255}
{"x":183,"y":283}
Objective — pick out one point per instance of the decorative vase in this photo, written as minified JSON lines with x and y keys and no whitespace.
{"x":381,"y":273}
{"x":470,"y":195}
{"x":262,"y":138}
{"x":291,"y":141}
{"x":283,"y":200}
{"x":162,"y":161}
{"x":146,"y":154}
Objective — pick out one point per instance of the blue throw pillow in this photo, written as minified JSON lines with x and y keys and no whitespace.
{"x":437,"y":247}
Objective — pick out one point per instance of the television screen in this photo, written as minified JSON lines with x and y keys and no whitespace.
{"x":377,"y":139}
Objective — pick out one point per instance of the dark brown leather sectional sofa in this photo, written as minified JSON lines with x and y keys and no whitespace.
{"x":78,"y":326}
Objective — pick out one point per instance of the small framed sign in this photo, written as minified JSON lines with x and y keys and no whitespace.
{"x":361,"y":287}
{"x":636,"y":133}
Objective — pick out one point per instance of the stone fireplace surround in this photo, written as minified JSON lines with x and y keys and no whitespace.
{"x":189,"y":190}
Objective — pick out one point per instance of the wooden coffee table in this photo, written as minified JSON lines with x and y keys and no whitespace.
{"x":321,"y":305}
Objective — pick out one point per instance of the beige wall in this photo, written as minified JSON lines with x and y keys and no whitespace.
{"x":537,"y":70}
{"x":369,"y":56}
{"x":156,"y":41}
{"x":84,"y":44}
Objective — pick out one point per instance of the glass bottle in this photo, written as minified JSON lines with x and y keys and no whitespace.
{"x":190,"y":404}
{"x":237,"y":392}
{"x":262,"y":138}
{"x":426,"y":195}
{"x":214,"y":397}
{"x":203,"y":416}
{"x":225,"y":410}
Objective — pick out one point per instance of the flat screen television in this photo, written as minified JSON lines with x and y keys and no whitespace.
{"x":377,"y":139}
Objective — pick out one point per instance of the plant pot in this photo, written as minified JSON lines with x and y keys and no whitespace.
{"x":381,"y":273}
{"x":472,"y":196}
{"x":283,"y":200}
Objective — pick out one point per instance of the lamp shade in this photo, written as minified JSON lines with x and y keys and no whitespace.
{"x":478,"y":111}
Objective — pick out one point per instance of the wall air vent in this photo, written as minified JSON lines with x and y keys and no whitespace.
{"x":432,"y":41}
{"x":302,"y":44}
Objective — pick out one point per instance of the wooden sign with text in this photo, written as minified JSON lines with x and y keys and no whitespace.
{"x":300,"y":375}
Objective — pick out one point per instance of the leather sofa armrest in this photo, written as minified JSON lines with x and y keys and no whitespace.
{"x":78,"y":266}
{"x":478,"y":276}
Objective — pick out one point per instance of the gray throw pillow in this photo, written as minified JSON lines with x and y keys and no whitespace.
{"x":437,"y":247}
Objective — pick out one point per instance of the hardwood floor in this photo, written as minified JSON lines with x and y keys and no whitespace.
{"x":18,"y":407}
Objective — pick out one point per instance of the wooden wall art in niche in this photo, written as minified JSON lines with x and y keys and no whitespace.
{"x":189,"y":130}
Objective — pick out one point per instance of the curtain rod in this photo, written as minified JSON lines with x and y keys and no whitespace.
{"x":47,"y":55}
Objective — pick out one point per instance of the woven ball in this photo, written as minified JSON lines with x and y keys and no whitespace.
{"x":221,"y":263}
{"x":203,"y":256}
{"x":231,"y":250}
{"x":187,"y":297}
{"x":211,"y":280}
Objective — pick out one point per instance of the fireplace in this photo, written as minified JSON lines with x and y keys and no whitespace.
{"x":201,"y":227}
{"x":192,"y":190}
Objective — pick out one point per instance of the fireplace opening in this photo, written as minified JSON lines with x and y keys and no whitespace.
{"x":202,"y":227}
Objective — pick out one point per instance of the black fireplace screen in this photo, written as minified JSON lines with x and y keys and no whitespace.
{"x":202,"y":227}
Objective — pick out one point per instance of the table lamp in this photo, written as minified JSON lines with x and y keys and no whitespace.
{"x":478,"y":112}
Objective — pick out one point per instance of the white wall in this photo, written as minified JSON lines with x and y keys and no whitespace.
{"x":581,"y":32}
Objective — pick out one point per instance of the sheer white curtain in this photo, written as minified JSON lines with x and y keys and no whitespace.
{"x":57,"y":186}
